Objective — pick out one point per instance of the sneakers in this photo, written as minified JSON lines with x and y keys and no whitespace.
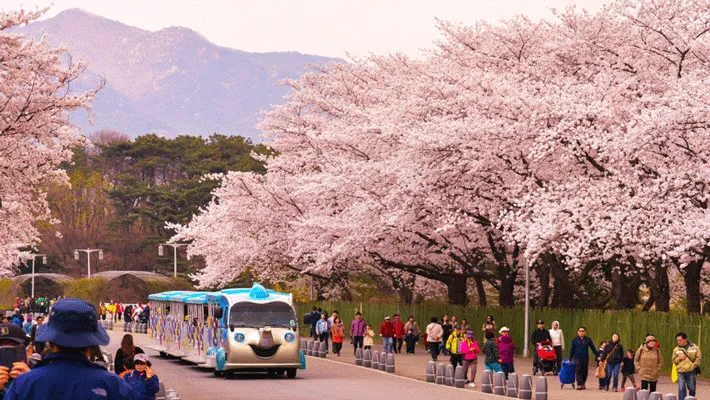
{"x":623,"y":389}
{"x":472,"y":385}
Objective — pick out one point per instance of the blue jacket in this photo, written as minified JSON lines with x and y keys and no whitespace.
{"x":68,"y":376}
{"x":578,"y":349}
{"x":144,"y":389}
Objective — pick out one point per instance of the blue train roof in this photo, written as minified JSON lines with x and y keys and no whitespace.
{"x":164,"y":296}
{"x":184,"y":296}
{"x":256,"y":292}
{"x":198,"y":298}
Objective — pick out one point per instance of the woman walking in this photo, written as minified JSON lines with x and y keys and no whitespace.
{"x":470,"y":350}
{"x":648,"y":362}
{"x":489,"y":325}
{"x":434,"y":334}
{"x":447,"y":327}
{"x":558,"y":341}
{"x":613,"y":354}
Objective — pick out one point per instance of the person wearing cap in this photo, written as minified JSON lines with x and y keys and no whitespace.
{"x":648,"y":361}
{"x":470,"y":350}
{"x":399,"y":334}
{"x":539,"y":335}
{"x":453,"y":345}
{"x":67,"y":373}
{"x":503,"y":331}
{"x":12,"y":347}
{"x":387,"y":333}
{"x":142,"y":379}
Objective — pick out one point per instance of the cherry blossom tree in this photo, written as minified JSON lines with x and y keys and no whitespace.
{"x":35,"y":133}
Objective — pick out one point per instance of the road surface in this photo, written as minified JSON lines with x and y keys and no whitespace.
{"x":326,"y":379}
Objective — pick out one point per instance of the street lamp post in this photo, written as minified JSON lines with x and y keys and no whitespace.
{"x":175,"y":246}
{"x":527,"y":309}
{"x":88,"y":257}
{"x":44,"y":261}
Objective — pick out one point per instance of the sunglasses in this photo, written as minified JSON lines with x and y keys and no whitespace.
{"x":581,"y":330}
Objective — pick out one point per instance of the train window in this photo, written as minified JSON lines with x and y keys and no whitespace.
{"x":255,"y":315}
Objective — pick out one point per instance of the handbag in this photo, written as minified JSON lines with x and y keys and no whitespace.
{"x":674,"y":374}
{"x":601,"y":370}
{"x":697,"y":369}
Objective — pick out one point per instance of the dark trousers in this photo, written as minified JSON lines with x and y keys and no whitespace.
{"x":558,"y":351}
{"x":410,"y":346}
{"x":582,"y":371}
{"x":630,"y":377}
{"x":507,"y":368}
{"x":357,"y":342}
{"x":651,"y":386}
{"x":456,"y":359}
{"x":337,"y":347}
{"x":323,"y":337}
{"x":434,"y":349}
{"x":398,"y":345}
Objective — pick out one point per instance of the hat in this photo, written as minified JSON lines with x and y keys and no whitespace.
{"x":470,"y":335}
{"x":11,"y":331}
{"x":73,"y":323}
{"x":387,"y":317}
{"x":650,"y":338}
{"x":457,"y":326}
{"x":141,"y":357}
{"x":504,"y":329}
{"x":540,"y":322}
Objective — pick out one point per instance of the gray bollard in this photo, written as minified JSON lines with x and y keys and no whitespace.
{"x":431,"y":371}
{"x":541,"y":388}
{"x":358,"y":356}
{"x":440,"y":374}
{"x":655,"y":396}
{"x":376,"y":359}
{"x":643,"y":394}
{"x":459,"y":377}
{"x":304,"y":346}
{"x":499,"y":383}
{"x":390,"y":363}
{"x":367,"y":358}
{"x":525,"y":387}
{"x":110,"y":325}
{"x":690,"y":398}
{"x":630,"y":394}
{"x":323,"y":349}
{"x":383,"y":361}
{"x":671,"y":396}
{"x":309,"y":348}
{"x":449,"y":375}
{"x":130,"y":327}
{"x":512,"y":390}
{"x":487,"y":381}
{"x":125,"y":326}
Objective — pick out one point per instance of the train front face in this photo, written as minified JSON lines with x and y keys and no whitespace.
{"x":262,"y":336}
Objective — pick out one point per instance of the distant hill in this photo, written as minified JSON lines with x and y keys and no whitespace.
{"x":172,"y":81}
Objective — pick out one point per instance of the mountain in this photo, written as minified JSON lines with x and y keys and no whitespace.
{"x":173,"y":81}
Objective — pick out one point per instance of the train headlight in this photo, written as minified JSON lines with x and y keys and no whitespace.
{"x":289,"y":337}
{"x":239,"y":337}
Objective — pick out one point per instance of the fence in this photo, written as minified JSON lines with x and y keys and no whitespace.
{"x":632,"y":326}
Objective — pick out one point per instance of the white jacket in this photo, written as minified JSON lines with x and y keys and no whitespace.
{"x":558,"y":339}
{"x":434,"y":330}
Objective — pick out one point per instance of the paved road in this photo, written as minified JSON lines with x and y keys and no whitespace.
{"x":322,"y":379}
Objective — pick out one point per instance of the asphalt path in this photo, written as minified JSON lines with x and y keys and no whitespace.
{"x":325,"y":379}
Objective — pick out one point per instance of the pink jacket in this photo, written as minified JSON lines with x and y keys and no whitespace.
{"x":470,"y":351}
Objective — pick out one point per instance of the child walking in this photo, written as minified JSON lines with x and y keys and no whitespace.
{"x":369,"y":339}
{"x":411,"y":340}
{"x":470,"y":350}
{"x":490,"y":350}
{"x":506,"y":349}
{"x":338,"y":332}
{"x":628,"y":369}
{"x":602,"y":381}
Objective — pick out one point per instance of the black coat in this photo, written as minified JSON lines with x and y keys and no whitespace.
{"x":122,"y":363}
{"x":541,"y":335}
{"x":613,"y":353}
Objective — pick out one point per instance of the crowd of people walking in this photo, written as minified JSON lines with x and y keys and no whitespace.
{"x":457,"y":340}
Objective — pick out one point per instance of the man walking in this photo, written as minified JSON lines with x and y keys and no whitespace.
{"x":67,"y":373}
{"x":357,"y":331}
{"x":686,"y":357}
{"x":399,"y":333}
{"x":579,"y":353}
{"x":387,"y":333}
{"x":538,"y":336}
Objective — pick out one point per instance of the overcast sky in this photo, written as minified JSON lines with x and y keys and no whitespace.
{"x":323,"y":27}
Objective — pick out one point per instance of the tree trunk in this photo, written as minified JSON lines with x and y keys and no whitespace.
{"x":562,"y":290}
{"x":481,"y":291}
{"x":543,"y":274}
{"x":456,"y":288}
{"x":506,"y":296}
{"x":691,"y":275}
{"x":661,"y":288}
{"x":624,"y":287}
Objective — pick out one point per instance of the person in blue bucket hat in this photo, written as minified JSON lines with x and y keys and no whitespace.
{"x":67,"y":373}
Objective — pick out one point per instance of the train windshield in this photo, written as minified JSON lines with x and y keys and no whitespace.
{"x":255,"y":315}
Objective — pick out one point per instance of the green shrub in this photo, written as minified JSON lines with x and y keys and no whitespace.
{"x":89,"y":289}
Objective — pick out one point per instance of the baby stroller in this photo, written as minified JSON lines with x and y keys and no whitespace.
{"x":546,"y":358}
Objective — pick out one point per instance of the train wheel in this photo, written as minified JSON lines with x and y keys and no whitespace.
{"x":291,"y":373}
{"x":218,"y":374}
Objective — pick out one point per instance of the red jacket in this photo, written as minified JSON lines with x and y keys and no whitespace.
{"x":399,"y":329}
{"x":387,"y":329}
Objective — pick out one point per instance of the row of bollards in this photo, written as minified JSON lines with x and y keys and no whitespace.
{"x":314,"y":349}
{"x":375,"y":360}
{"x":644,"y":394}
{"x":135,"y":327}
{"x":445,"y":374}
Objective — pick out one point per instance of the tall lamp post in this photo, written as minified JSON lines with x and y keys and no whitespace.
{"x":88,"y":256}
{"x":175,"y":246}
{"x":527,"y":310}
{"x":44,"y":261}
